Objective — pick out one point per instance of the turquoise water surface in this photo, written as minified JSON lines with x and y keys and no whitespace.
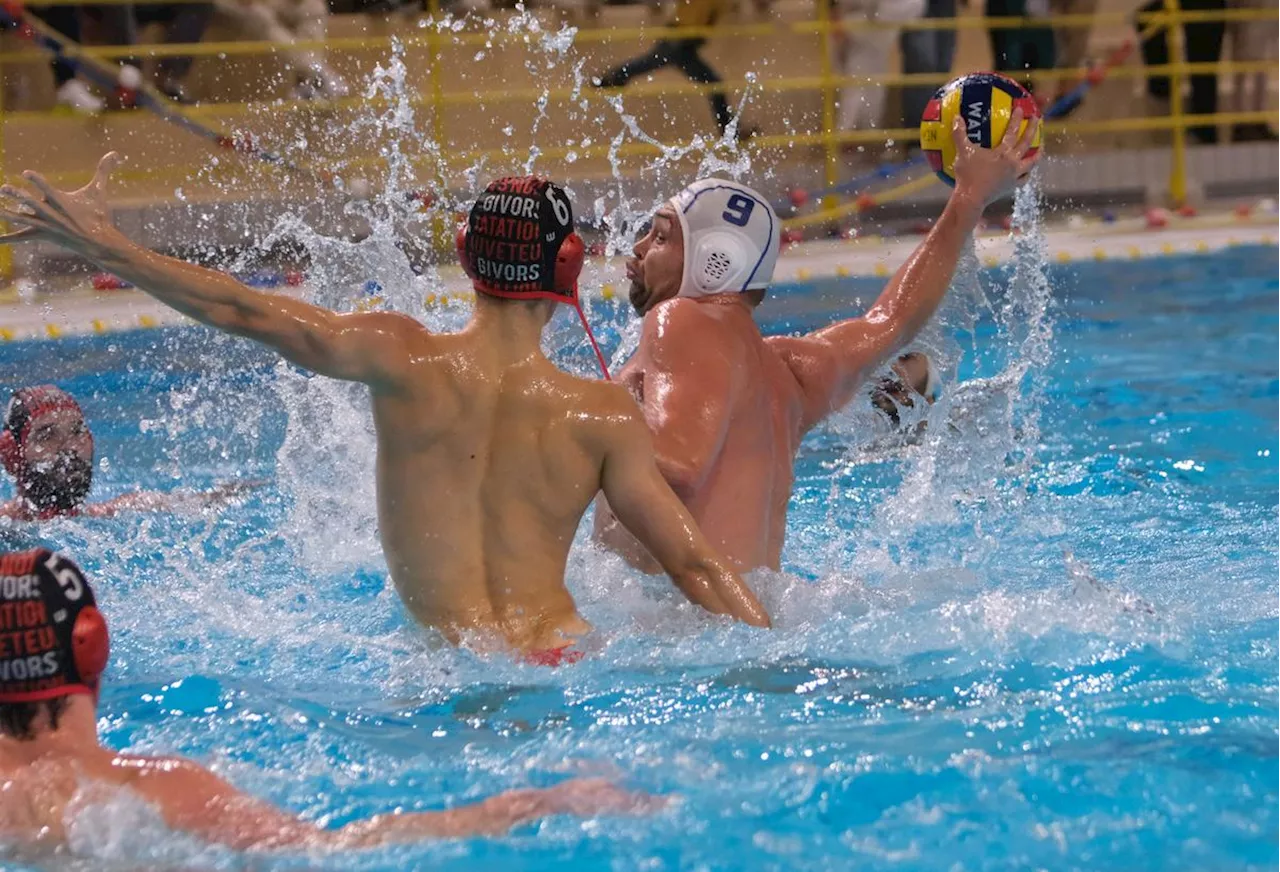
{"x":1045,"y":636}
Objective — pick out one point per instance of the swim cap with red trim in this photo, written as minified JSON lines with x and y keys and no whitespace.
{"x":519,"y":244}
{"x":53,"y":639}
{"x":25,"y":406}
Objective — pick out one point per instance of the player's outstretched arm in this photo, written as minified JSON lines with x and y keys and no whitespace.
{"x":646,"y":505}
{"x":363,"y":347}
{"x":194,"y":800}
{"x":832,"y":362}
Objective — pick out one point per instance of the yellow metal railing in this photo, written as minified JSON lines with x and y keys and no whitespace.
{"x":829,"y":138}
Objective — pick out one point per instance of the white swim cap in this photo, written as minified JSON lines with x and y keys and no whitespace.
{"x":932,"y":381}
{"x":731,"y":238}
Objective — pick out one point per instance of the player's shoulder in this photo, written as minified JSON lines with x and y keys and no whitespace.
{"x":682,"y":329}
{"x":601,"y":411}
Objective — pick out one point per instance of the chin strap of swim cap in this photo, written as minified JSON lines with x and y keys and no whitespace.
{"x":732,"y":238}
{"x":595,"y":346}
{"x":518,"y":243}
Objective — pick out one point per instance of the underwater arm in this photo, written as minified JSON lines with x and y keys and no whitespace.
{"x":646,"y":505}
{"x":194,"y":800}
{"x":369,"y":348}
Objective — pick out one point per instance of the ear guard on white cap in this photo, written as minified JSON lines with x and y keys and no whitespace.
{"x":731,"y":238}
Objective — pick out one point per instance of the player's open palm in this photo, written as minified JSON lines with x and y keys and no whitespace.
{"x":73,"y":219}
{"x":990,"y":173}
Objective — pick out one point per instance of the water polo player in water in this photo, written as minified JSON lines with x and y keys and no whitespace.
{"x":488,"y":455}
{"x":53,"y":650}
{"x":727,"y":406}
{"x":46,"y":445}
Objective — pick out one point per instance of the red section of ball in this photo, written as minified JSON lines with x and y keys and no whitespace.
{"x":107,"y":282}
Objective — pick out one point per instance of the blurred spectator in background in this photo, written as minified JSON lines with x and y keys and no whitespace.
{"x":71,"y":92}
{"x":1202,"y":43}
{"x":286,"y":22}
{"x":865,"y":52}
{"x":184,"y":23}
{"x":1252,"y":41}
{"x":926,"y":51}
{"x":1017,"y":51}
{"x":683,"y":54}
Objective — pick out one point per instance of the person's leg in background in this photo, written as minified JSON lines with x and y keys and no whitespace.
{"x":1251,"y":41}
{"x":657,"y":58}
{"x":926,"y":51}
{"x":71,"y":92}
{"x":1203,"y":43}
{"x":186,"y":24}
{"x":309,"y":21}
{"x":115,"y":25}
{"x":860,"y":53}
{"x":684,"y":55}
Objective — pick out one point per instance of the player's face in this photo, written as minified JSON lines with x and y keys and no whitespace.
{"x":657,"y":269}
{"x":57,"y":456}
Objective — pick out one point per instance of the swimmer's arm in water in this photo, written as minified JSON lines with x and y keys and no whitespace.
{"x":646,"y":505}
{"x":194,"y":800}
{"x":367,"y":347}
{"x":687,"y":392}
{"x":159,"y":501}
{"x":831,"y":363}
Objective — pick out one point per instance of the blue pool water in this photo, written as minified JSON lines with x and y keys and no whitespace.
{"x":1044,"y":637}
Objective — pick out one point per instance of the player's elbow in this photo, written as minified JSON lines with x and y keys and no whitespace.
{"x":684,"y":475}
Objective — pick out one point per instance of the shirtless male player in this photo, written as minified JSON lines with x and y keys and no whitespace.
{"x":53,"y":648}
{"x":488,"y":455}
{"x":727,"y":406}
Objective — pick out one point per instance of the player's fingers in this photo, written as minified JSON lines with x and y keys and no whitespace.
{"x":106,"y":167}
{"x":1023,"y":145}
{"x":27,"y":203}
{"x":1011,"y":130}
{"x":26,"y":234}
{"x":52,"y":195}
{"x":959,"y":136}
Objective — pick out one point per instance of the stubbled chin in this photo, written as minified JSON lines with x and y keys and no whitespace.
{"x":639,"y":297}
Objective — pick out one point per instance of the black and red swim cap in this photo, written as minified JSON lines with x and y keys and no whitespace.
{"x":53,"y":639}
{"x":26,"y":405}
{"x":519,"y":241}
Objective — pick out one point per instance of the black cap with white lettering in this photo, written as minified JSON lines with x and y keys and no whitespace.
{"x":519,"y":241}
{"x":53,"y":639}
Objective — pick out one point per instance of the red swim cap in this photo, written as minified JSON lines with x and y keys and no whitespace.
{"x":26,"y":405}
{"x":53,"y":639}
{"x":519,"y":243}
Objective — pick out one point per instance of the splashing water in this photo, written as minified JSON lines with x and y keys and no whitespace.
{"x":985,"y":640}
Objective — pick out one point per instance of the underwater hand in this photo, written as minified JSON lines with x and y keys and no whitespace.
{"x":73,"y":219}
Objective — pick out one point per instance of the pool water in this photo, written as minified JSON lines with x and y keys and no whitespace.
{"x":1042,"y":636}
